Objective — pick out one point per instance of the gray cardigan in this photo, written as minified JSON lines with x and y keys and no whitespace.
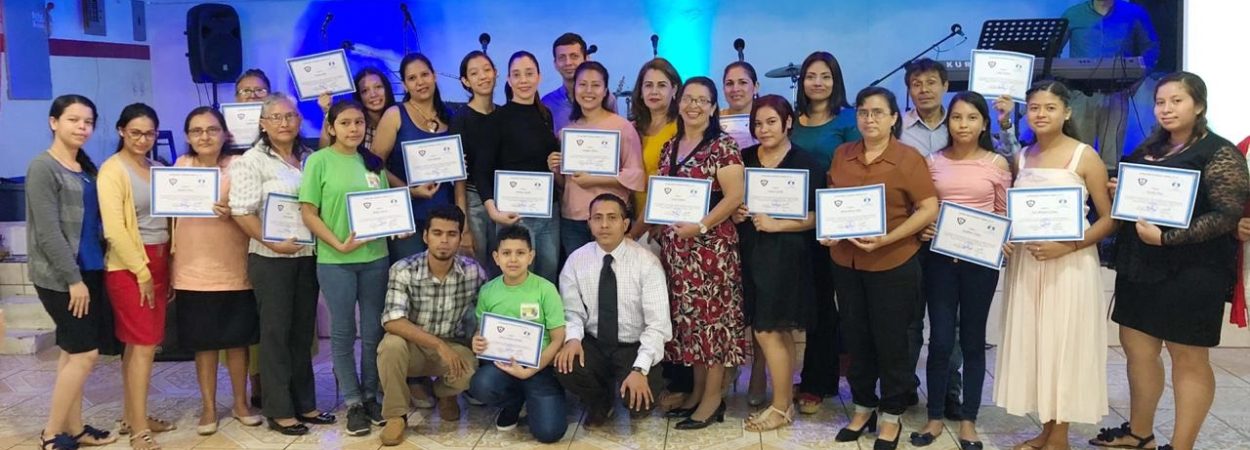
{"x":53,"y":223}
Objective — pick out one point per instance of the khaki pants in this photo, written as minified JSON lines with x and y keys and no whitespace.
{"x":399,"y":359}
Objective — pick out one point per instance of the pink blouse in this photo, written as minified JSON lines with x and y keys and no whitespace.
{"x":209,"y":254}
{"x":975,"y":183}
{"x":575,"y":203}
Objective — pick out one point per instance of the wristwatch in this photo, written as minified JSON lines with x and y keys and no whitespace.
{"x":640,"y":370}
{"x":702,"y":228}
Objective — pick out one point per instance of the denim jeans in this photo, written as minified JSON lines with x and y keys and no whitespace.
{"x":542,"y":392}
{"x":574,"y":234}
{"x":345,"y":286}
{"x":483,"y":230}
{"x":959,"y":296}
{"x":545,"y":238}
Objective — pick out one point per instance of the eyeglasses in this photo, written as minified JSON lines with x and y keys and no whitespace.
{"x":696,"y":101}
{"x":203,"y":131}
{"x":281,"y":118}
{"x":875,"y":114}
{"x":253,"y":92}
{"x":136,"y":135}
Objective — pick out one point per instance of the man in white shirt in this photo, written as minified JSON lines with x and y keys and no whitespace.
{"x":616,"y":316}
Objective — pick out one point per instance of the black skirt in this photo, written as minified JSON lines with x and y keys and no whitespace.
{"x":216,"y":320}
{"x":1186,"y":308}
{"x":92,"y":331}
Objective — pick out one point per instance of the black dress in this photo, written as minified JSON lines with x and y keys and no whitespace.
{"x":1176,"y":292}
{"x":777,"y":268}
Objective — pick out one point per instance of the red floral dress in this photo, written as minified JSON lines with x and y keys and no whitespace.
{"x":704,"y":272}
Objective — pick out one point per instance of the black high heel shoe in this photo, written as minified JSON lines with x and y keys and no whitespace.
{"x":880,"y":444}
{"x":679,"y":413}
{"x":846,"y":434}
{"x":691,"y":424}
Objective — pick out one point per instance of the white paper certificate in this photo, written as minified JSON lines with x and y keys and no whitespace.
{"x":780,"y":193}
{"x":738,"y":127}
{"x":434,"y":160}
{"x":1161,"y":195}
{"x":321,"y":72}
{"x":971,"y":235}
{"x":509,"y":339}
{"x":996,"y":72}
{"x":528,"y":194}
{"x":672,"y":200}
{"x":596,"y":152}
{"x":243,"y":122}
{"x":282,"y":220}
{"x":384,"y":212}
{"x":184,"y":191}
{"x":843,"y":213}
{"x":1046,"y":213}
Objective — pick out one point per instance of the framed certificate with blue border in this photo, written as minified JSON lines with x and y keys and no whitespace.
{"x":971,"y":235}
{"x":321,"y":72}
{"x":243,"y":123}
{"x":1041,"y":214}
{"x":596,"y":152}
{"x":184,"y":191}
{"x":996,"y":72}
{"x":779,"y":193}
{"x":380,"y":213}
{"x":528,"y":194}
{"x":1163,"y":196}
{"x":843,"y":213}
{"x":509,"y":339}
{"x":282,"y":220}
{"x":434,"y":160}
{"x":673,"y":200}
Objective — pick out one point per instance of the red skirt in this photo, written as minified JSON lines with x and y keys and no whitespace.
{"x":137,"y":324}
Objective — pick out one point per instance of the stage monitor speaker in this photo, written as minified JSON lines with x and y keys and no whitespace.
{"x":214,"y":45}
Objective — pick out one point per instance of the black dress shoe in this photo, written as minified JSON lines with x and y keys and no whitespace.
{"x":970,"y":445}
{"x":888,"y":445}
{"x":846,"y":434}
{"x":298,"y":429}
{"x":691,"y":424}
{"x":324,"y":418}
{"x":679,"y":413}
{"x":922,"y":439}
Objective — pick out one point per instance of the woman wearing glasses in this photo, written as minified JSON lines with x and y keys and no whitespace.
{"x":252,"y":86}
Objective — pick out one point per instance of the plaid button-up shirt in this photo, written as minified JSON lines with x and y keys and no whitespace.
{"x":437,"y":306}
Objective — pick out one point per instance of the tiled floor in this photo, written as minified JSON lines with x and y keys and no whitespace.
{"x":25,"y":384}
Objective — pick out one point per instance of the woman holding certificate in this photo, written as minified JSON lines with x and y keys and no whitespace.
{"x":591,"y":114}
{"x":877,"y":278}
{"x":373,"y":91}
{"x":701,"y":259}
{"x":522,"y":141}
{"x":1172,"y":282}
{"x":969,"y":173}
{"x":138,"y":265}
{"x":741,"y":87}
{"x":474,"y":125}
{"x":352,"y":272}
{"x":777,"y":250}
{"x":281,"y":267}
{"x":654,"y":111}
{"x":1053,"y":358}
{"x":67,"y":267}
{"x":216,"y":309}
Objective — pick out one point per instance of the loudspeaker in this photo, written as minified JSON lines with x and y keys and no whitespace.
{"x":214,"y":47}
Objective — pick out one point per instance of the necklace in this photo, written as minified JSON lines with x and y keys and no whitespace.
{"x":426,"y":118}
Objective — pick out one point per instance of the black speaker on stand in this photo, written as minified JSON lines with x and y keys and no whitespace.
{"x":214,"y":45}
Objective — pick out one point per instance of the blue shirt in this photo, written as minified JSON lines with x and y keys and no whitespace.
{"x":820,"y":141}
{"x":90,"y":245}
{"x":409,"y":131}
{"x":1125,"y":31}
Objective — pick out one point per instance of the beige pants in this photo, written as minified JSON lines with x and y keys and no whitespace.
{"x":399,"y":359}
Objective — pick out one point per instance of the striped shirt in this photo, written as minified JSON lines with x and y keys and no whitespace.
{"x":253,"y":176}
{"x":437,"y":306}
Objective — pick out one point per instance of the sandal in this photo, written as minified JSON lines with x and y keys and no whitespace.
{"x":94,"y":437}
{"x":154,"y":425}
{"x":143,"y":441}
{"x":1107,"y":436}
{"x":60,"y":441}
{"x":764,"y":421}
{"x":809,"y":403}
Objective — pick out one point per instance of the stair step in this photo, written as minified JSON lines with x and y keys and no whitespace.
{"x":27,"y":342}
{"x":26,"y":312}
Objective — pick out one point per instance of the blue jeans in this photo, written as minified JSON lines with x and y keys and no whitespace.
{"x":545,"y":237}
{"x":344,"y":286}
{"x":542,"y":392}
{"x":483,"y":230}
{"x":915,"y":339}
{"x":574,"y":234}
{"x":402,"y":248}
{"x":959,"y":296}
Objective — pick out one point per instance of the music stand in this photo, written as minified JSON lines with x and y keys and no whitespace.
{"x":1037,"y":37}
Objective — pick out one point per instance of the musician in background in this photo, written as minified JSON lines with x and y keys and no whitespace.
{"x":568,"y":51}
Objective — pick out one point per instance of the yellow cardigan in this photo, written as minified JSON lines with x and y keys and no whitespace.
{"x":121,"y":224}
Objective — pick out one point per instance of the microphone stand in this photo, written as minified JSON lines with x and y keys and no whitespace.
{"x":954,"y":31}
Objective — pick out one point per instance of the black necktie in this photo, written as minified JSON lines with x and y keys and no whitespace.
{"x":607,"y":304}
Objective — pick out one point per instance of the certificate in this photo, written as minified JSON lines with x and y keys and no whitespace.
{"x":1163,"y":196}
{"x":780,"y":193}
{"x":434,"y":160}
{"x":843,"y":213}
{"x":996,"y":72}
{"x":384,"y":212}
{"x":676,"y":199}
{"x":970,"y":234}
{"x":596,"y":152}
{"x":738,"y":127}
{"x":321,"y":72}
{"x":528,"y":194}
{"x":509,"y":339}
{"x":243,"y":122}
{"x":282,"y":220}
{"x":184,"y":191}
{"x":1046,"y":213}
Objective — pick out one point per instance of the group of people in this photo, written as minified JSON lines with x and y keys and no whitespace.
{"x":658,"y":316}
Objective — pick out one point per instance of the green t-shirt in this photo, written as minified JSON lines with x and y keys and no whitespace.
{"x":535,"y":300}
{"x":328,"y":177}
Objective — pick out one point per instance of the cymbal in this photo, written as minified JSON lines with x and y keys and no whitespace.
{"x":789,"y":71}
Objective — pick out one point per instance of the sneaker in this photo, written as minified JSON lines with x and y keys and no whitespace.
{"x":393,"y":432}
{"x":507,"y":419}
{"x":375,"y":412}
{"x":357,"y":420}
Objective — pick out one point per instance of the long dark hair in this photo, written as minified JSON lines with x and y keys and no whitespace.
{"x":777,"y":103}
{"x":221,"y":122}
{"x":977,"y":101}
{"x":595,"y":66}
{"x":749,"y":69}
{"x":1059,"y":90}
{"x":372,"y":161}
{"x":387,"y":91}
{"x":134,"y":111}
{"x":298,"y":149}
{"x":58,"y":108}
{"x":638,"y":111}
{"x":837,"y":92}
{"x":890,"y":99}
{"x":713,"y":126}
{"x":464,"y":68}
{"x":1156,"y":145}
{"x":507,"y":88}
{"x":440,"y":108}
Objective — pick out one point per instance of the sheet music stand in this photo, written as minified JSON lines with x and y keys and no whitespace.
{"x":1037,"y":37}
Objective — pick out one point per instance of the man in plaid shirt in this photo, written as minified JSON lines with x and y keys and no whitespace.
{"x":426,"y":301}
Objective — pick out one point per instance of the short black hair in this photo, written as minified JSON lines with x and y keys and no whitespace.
{"x":516,"y":232}
{"x":890,"y":100}
{"x":450,"y":213}
{"x":922,"y":65}
{"x":568,"y":39}
{"x":610,"y":197}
